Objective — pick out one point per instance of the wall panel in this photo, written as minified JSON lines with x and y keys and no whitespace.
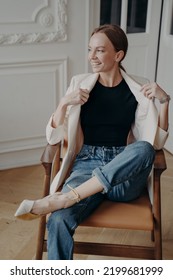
{"x":31,"y":91}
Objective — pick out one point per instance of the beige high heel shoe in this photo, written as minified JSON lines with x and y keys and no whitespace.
{"x":24,"y":211}
{"x":46,"y":205}
{"x":33,"y":209}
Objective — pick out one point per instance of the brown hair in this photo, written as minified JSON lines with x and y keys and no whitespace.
{"x":117,"y":37}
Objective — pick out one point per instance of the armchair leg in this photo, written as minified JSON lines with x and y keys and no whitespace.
{"x":152,"y":235}
{"x":42,"y":224}
{"x":41,"y":236}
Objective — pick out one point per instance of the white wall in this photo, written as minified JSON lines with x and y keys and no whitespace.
{"x":43,"y":44}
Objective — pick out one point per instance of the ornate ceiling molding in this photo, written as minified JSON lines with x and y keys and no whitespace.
{"x":46,"y":20}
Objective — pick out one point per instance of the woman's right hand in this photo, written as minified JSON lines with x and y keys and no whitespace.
{"x":77,"y":97}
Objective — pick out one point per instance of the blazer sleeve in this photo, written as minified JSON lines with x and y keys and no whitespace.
{"x":160,"y":138}
{"x":55,"y":135}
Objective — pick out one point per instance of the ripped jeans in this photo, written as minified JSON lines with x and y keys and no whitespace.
{"x":123,"y":173}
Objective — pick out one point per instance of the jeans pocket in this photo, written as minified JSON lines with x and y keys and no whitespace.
{"x":84,"y":154}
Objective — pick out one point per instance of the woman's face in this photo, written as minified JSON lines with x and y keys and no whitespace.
{"x":101,"y":53}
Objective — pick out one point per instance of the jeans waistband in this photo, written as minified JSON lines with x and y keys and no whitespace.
{"x":93,"y":149}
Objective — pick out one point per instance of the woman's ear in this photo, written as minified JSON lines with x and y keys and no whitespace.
{"x":119,"y":56}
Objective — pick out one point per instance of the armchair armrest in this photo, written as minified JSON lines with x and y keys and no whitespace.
{"x":160,"y":162}
{"x":49,"y":153}
{"x":159,"y":167}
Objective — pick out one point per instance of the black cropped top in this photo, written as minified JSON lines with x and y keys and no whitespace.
{"x":107,"y":116}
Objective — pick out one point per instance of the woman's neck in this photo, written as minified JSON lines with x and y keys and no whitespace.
{"x":110,"y":79}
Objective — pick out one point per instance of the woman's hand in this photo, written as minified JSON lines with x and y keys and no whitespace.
{"x":153,"y":90}
{"x":79,"y":96}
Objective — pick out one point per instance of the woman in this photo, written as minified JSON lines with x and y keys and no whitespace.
{"x":110,"y":126}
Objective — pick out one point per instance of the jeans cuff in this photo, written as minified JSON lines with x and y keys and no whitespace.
{"x":106,"y":186}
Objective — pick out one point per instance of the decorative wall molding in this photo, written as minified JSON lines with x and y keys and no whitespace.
{"x":24,"y":128}
{"x":32,"y":38}
{"x":46,"y":20}
{"x":49,"y":17}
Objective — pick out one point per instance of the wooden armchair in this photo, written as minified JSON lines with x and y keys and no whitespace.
{"x":139,"y":214}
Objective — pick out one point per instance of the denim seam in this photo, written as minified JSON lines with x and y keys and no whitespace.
{"x":82,"y":208}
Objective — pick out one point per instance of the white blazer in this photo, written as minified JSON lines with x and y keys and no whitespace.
{"x":145,"y":126}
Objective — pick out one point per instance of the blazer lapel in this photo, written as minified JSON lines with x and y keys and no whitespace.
{"x":151,"y":121}
{"x":151,"y":124}
{"x":89,"y":82}
{"x":135,"y":88}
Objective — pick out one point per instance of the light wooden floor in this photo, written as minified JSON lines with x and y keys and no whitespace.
{"x":18,"y":238}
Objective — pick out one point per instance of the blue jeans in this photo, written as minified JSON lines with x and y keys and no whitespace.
{"x":123,"y":172}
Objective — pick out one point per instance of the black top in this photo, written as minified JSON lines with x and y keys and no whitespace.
{"x":107,"y":116}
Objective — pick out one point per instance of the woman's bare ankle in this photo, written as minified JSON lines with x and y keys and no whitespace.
{"x":69,"y":199}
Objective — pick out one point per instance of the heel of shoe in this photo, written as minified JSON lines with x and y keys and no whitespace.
{"x":27,"y":216}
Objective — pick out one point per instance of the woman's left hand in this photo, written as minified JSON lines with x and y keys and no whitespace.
{"x":153,"y":90}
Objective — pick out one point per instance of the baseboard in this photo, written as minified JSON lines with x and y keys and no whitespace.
{"x":21,"y":158}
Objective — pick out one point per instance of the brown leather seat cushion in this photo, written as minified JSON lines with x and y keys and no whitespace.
{"x":136,"y":214}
